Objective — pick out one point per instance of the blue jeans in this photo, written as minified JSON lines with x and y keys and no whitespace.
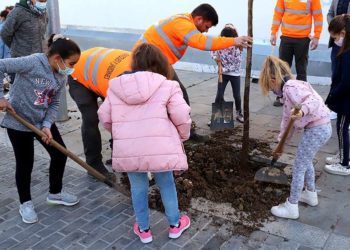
{"x":139,"y":193}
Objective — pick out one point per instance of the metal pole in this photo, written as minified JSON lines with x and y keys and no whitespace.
{"x":55,"y":27}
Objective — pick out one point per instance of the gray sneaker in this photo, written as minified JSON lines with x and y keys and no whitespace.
{"x":28,"y":213}
{"x":62,"y":198}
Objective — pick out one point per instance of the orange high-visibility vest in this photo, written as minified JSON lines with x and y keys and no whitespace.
{"x":296,"y":16}
{"x":174,"y":34}
{"x":97,"y":66}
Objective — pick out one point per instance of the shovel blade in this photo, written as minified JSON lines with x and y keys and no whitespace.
{"x":222,"y":116}
{"x":271,"y":175}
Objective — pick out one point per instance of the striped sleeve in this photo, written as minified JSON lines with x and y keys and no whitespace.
{"x":317,"y":15}
{"x":199,"y":41}
{"x":277,"y":17}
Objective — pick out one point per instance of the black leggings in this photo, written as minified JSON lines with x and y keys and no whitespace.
{"x":236,"y":90}
{"x":23,"y":147}
{"x":343,"y":122}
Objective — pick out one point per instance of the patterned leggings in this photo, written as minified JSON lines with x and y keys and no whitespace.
{"x":311,"y":141}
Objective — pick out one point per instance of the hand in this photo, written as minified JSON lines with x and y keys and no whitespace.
{"x":314,"y":43}
{"x":5,"y":105}
{"x":218,"y":60}
{"x":273,"y":40}
{"x":296,"y":116}
{"x":48,"y":136}
{"x":244,"y":41}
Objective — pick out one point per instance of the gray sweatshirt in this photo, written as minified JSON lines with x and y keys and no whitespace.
{"x":35,"y":92}
{"x":24,"y":32}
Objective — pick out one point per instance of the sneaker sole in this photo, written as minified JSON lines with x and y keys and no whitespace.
{"x":145,"y":241}
{"x":307,"y":202}
{"x":286,"y":217}
{"x":175,"y":236}
{"x":27,"y":221}
{"x":54,"y":202}
{"x":330,"y":171}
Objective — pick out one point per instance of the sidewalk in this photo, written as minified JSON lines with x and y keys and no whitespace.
{"x":103,"y":218}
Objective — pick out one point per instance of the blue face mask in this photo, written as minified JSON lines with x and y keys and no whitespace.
{"x":67,"y":71}
{"x":40,"y":5}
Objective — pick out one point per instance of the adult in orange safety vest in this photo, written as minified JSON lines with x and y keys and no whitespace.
{"x":296,"y":18}
{"x":89,"y":81}
{"x":175,"y":34}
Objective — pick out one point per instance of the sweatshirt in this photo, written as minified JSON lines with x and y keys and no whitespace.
{"x":35,"y":92}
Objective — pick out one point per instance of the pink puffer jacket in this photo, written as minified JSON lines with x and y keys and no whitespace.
{"x":149,"y":119}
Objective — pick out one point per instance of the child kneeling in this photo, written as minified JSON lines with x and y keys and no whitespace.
{"x":149,"y":119}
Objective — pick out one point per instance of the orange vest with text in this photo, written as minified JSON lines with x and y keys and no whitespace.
{"x":295,"y":17}
{"x":97,"y":66}
{"x":174,"y":34}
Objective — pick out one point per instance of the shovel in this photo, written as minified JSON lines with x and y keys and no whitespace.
{"x":222,"y":112}
{"x":272,"y":174}
{"x":71,"y":155}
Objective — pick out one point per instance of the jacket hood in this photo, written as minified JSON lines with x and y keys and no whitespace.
{"x":136,"y":88}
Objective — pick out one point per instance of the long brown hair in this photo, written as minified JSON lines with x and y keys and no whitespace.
{"x":147,"y":57}
{"x":272,"y":74}
{"x":337,"y":25}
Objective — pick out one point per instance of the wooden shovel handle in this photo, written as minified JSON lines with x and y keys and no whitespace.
{"x":62,"y":149}
{"x":280,"y":145}
{"x":220,"y":71}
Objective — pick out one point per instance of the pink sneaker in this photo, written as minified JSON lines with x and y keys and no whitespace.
{"x":184,"y":223}
{"x":145,"y":236}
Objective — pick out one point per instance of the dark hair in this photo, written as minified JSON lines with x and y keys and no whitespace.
{"x":229,"y":32}
{"x":9,"y":7}
{"x":4,"y":14}
{"x":147,"y":57}
{"x":207,"y":12}
{"x":337,"y":25}
{"x":58,"y":44}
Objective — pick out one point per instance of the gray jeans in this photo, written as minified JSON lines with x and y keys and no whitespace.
{"x":311,"y":142}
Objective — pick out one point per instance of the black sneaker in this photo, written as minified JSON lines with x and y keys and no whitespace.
{"x":109,"y":162}
{"x":278,"y":102}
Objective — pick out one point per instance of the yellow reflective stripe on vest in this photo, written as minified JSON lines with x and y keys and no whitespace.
{"x":208,"y":43}
{"x":97,"y":65}
{"x":88,"y":61}
{"x":297,"y":27}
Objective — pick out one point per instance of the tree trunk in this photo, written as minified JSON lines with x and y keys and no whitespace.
{"x":245,"y":139}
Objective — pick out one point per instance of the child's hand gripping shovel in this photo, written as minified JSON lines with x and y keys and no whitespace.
{"x":222,"y":112}
{"x":71,"y":155}
{"x":272,"y":174}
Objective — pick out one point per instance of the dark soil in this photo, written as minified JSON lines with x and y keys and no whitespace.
{"x":215,"y":174}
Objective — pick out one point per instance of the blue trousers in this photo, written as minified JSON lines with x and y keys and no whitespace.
{"x":139,"y":193}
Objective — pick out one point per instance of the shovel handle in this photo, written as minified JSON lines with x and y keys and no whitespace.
{"x":220,"y":72}
{"x":280,"y":145}
{"x":62,"y":149}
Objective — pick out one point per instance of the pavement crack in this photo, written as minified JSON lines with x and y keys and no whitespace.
{"x":198,"y":83}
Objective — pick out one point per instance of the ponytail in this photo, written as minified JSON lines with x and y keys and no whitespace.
{"x":58,"y":44}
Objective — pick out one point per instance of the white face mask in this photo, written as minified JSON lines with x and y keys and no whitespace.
{"x":340,"y":41}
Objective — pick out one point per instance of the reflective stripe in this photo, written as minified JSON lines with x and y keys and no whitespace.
{"x":276,"y":22}
{"x":277,"y":9}
{"x":307,"y":11}
{"x":97,"y":65}
{"x":209,"y":43}
{"x":297,"y":27}
{"x":143,"y":39}
{"x":308,"y":6}
{"x":189,"y":35}
{"x":318,"y":23}
{"x":168,"y":41}
{"x":316,"y":12}
{"x":291,"y":11}
{"x":87,"y":63}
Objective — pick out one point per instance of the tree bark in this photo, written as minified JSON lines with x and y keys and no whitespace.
{"x":245,"y":139}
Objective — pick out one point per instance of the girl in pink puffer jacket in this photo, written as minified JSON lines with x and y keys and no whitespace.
{"x":149,"y":120}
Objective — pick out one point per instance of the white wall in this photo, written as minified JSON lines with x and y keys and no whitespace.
{"x":139,"y":14}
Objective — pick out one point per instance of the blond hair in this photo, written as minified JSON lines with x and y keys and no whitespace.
{"x":272,"y":73}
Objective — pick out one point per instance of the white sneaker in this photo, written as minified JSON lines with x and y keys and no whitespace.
{"x":333,"y":159}
{"x":62,"y":198}
{"x":337,"y":168}
{"x":286,"y":210}
{"x":28,"y":213}
{"x":309,"y":198}
{"x":333,"y":115}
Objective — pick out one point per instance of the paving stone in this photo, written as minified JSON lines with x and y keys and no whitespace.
{"x":8,"y":243}
{"x":73,"y":226}
{"x":28,"y":232}
{"x":5,"y":234}
{"x":93,"y":236}
{"x":121,"y":243}
{"x":70,"y":239}
{"x":115,"y":222}
{"x":337,"y":242}
{"x":48,"y":242}
{"x":97,"y":222}
{"x":116,"y":210}
{"x":171,"y":246}
{"x":235,"y":243}
{"x":304,"y":234}
{"x":75,"y":215}
{"x":27,"y":243}
{"x":193,"y":245}
{"x":305,"y":248}
{"x":115,"y":233}
{"x":288,"y":245}
{"x":51,"y":229}
{"x":98,"y":245}
{"x":96,"y":212}
{"x":135,"y":245}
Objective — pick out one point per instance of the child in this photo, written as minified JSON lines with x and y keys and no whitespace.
{"x":231,"y":59}
{"x":40,"y":79}
{"x":149,"y":119}
{"x":313,"y":118}
{"x":338,"y":99}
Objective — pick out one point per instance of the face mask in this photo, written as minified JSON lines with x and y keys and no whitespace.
{"x":40,"y":5}
{"x":67,"y":71}
{"x":340,"y":41}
